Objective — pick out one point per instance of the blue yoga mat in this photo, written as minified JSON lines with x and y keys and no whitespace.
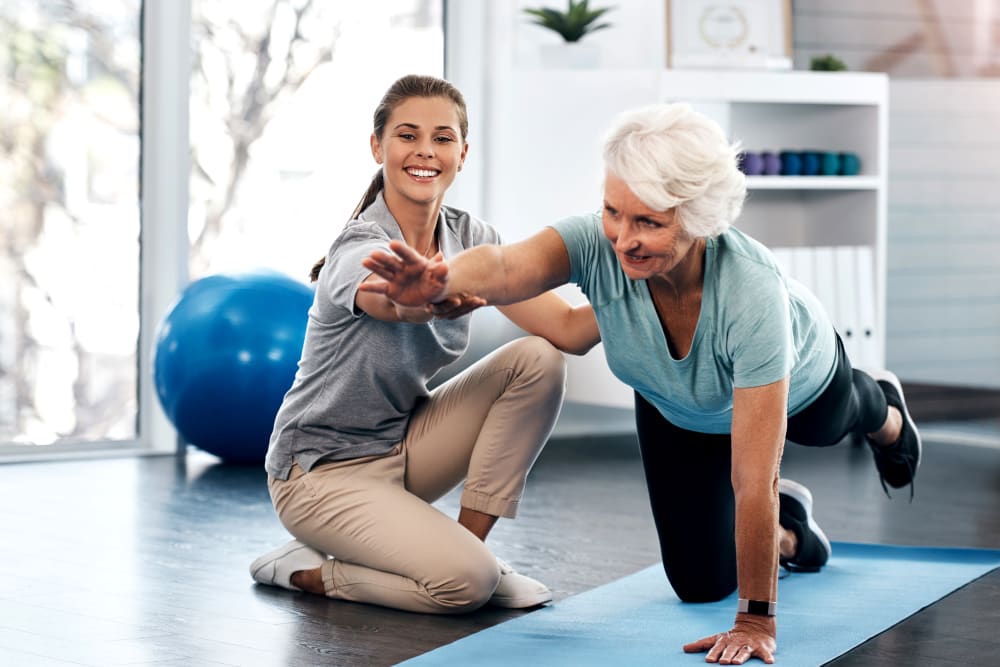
{"x":638,"y":620}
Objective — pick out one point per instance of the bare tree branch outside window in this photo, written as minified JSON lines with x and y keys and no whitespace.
{"x":246,"y":66}
{"x":282,"y":93}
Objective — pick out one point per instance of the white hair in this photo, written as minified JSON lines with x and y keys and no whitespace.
{"x":671,"y":156}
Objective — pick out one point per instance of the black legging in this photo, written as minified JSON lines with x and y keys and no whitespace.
{"x":689,"y":481}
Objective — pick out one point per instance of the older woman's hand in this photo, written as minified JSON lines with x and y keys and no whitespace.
{"x":747,"y":639}
{"x":407,"y":277}
{"x":456,"y":305}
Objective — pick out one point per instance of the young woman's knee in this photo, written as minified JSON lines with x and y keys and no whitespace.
{"x":538,"y":356}
{"x":467,"y":587}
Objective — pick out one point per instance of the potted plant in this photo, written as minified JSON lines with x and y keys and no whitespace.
{"x":572,"y":24}
{"x":827,"y":63}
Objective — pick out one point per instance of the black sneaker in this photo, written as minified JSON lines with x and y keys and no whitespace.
{"x":897,"y":463}
{"x":795,"y":514}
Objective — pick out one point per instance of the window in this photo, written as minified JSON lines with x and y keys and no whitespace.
{"x":69,"y":234}
{"x":281,"y":97}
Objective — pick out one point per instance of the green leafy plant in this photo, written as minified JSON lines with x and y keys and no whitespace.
{"x":827,"y":63}
{"x":572,"y":24}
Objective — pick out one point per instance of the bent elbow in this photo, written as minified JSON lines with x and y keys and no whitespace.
{"x":579,"y":349}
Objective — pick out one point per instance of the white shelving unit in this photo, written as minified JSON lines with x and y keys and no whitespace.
{"x":543,"y":163}
{"x":834,"y":226}
{"x":813,"y":183}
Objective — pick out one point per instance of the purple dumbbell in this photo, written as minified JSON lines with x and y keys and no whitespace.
{"x":751,"y":164}
{"x":772,"y":163}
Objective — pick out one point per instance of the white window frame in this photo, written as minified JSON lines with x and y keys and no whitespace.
{"x":166,"y":169}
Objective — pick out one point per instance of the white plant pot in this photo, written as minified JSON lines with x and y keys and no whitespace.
{"x":571,"y":55}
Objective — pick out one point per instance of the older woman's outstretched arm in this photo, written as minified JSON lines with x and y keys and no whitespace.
{"x":516,"y":278}
{"x":500,"y":274}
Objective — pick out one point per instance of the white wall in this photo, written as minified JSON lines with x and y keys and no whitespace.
{"x":905,"y":38}
{"x":943,"y":283}
{"x":943,"y":303}
{"x":643,"y":22}
{"x":489,"y":41}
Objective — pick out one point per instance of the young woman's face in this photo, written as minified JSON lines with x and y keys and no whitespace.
{"x":648,"y":243}
{"x":421,"y":150}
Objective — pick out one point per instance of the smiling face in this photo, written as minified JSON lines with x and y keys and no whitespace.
{"x":421,"y":150}
{"x":648,"y":243}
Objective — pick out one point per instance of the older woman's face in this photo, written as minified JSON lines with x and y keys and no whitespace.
{"x":648,"y":243}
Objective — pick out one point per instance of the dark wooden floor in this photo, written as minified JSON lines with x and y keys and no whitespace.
{"x":143,"y":561}
{"x":931,"y":402}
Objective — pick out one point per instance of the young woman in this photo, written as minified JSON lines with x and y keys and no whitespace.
{"x":727,"y":358}
{"x":361,"y":448}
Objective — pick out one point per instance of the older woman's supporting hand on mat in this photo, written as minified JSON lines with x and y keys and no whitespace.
{"x":727,"y":357}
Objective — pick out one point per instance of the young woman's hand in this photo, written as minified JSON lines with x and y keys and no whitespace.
{"x":407,"y":277}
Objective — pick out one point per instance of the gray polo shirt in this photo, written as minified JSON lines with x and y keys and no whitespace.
{"x":359,"y":378}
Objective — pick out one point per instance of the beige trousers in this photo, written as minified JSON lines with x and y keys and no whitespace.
{"x":390,"y":547}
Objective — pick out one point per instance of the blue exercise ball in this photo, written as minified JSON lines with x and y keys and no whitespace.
{"x":226,"y":352}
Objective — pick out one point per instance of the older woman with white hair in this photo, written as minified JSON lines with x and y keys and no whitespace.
{"x":727,"y":356}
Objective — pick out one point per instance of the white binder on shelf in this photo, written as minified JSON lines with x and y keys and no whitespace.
{"x":846,"y":318}
{"x":869,"y":354}
{"x":783,"y":256}
{"x":802,"y":267}
{"x":825,"y":268}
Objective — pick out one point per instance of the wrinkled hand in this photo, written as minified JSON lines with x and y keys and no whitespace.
{"x":456,"y":305}
{"x":407,"y":277}
{"x":746,"y":640}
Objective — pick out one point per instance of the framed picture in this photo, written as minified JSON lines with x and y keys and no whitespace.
{"x":750,"y":34}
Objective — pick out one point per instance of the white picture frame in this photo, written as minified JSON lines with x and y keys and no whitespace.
{"x":729,"y":34}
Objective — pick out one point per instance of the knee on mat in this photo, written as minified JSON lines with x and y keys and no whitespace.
{"x":702,"y":591}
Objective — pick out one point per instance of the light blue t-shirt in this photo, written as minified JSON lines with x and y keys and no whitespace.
{"x":755,"y":327}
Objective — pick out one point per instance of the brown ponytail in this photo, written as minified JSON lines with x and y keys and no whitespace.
{"x":314,"y":273}
{"x":408,"y":87}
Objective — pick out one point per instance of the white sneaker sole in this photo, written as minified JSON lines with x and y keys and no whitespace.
{"x":805,"y":498}
{"x":523,"y":602}
{"x":890,"y":377}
